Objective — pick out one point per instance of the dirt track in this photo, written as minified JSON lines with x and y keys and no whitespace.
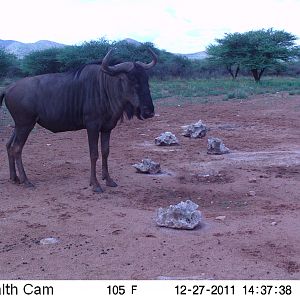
{"x":113,"y":235}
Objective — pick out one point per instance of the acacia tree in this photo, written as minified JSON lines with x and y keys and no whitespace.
{"x":227,"y":53}
{"x":255,"y":50}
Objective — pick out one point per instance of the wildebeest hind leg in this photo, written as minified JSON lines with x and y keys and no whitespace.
{"x":105,"y":136}
{"x":21,"y":135}
{"x":11,"y":160}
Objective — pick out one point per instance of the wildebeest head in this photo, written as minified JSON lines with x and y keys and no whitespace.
{"x":134,"y":82}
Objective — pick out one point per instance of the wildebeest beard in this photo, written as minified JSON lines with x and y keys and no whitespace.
{"x":130,"y":112}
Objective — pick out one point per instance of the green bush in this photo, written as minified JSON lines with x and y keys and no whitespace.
{"x":41,"y":62}
{"x":9,"y":66}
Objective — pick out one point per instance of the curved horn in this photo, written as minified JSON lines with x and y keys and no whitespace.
{"x":152,"y":63}
{"x":119,"y":68}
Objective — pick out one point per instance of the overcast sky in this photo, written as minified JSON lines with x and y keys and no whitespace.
{"x":180,"y":26}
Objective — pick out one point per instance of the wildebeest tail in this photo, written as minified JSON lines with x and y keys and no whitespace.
{"x":2,"y":95}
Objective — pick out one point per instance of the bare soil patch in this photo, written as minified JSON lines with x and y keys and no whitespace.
{"x":113,"y":235}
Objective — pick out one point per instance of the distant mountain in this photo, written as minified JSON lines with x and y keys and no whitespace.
{"x":192,"y":56}
{"x":22,"y":49}
{"x":198,"y":55}
{"x":132,"y":41}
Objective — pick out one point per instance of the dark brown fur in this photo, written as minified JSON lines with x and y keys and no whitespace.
{"x":90,"y":99}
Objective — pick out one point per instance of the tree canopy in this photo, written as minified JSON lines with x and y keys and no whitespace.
{"x":70,"y":57}
{"x":254,"y":50}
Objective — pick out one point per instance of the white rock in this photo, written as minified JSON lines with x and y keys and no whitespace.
{"x":274,"y":223}
{"x":183,"y":215}
{"x":221,"y":218}
{"x":148,"y":166}
{"x":197,"y":130}
{"x":251,"y":193}
{"x":216,"y":146}
{"x":48,"y":241}
{"x":252,"y":180}
{"x":166,"y":139}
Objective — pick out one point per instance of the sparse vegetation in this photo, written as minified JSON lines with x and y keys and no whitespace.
{"x":231,"y":55}
{"x":176,"y":75}
{"x":241,"y":88}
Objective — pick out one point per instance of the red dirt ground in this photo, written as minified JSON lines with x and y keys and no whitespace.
{"x":113,"y":235}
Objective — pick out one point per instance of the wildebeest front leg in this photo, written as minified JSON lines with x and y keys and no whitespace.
{"x":93,"y":137}
{"x":105,"y":136}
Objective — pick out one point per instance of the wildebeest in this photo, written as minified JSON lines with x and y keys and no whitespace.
{"x":95,"y":98}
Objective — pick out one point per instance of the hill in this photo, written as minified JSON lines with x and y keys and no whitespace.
{"x":197,"y":55}
{"x":192,"y":56}
{"x":21,"y":49}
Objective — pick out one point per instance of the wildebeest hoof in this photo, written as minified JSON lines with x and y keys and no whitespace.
{"x":97,"y":189}
{"x":28,"y":184}
{"x":15,"y":180}
{"x":111,"y":183}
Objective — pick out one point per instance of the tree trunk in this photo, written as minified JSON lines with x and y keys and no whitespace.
{"x":236,"y":71}
{"x":261,"y":72}
{"x":257,"y":74}
{"x":230,"y":71}
{"x":233,"y":74}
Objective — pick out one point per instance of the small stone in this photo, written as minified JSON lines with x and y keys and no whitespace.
{"x":197,"y":130}
{"x":221,"y":218}
{"x":252,"y":180}
{"x":183,"y":215}
{"x":166,"y":139}
{"x":48,"y":241}
{"x":216,"y":146}
{"x":251,"y":193}
{"x":148,"y":166}
{"x":274,"y":223}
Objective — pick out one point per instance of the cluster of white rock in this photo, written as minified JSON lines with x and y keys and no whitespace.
{"x":183,"y":215}
{"x":196,"y":130}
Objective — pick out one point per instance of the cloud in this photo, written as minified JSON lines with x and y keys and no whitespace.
{"x":175,"y":25}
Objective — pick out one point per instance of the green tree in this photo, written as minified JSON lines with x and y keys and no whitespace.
{"x":8,"y":64}
{"x":227,"y":53}
{"x":41,"y":62}
{"x":256,"y":50}
{"x":72,"y":57}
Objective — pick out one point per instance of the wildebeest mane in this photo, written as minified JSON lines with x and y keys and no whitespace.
{"x":77,"y":71}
